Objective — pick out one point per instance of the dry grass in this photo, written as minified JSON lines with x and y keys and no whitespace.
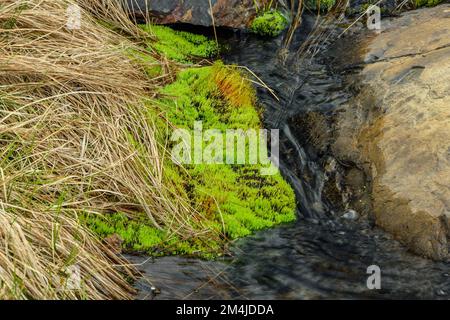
{"x":74,"y":137}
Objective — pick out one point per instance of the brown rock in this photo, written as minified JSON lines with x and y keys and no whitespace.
{"x":227,"y":13}
{"x":402,"y":132}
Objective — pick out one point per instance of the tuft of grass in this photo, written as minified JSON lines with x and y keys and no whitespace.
{"x":76,"y":137}
{"x":180,"y":46}
{"x":270,"y":23}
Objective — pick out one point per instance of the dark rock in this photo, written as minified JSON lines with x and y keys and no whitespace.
{"x":227,"y":13}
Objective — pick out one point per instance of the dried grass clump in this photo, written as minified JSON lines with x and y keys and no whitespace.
{"x":115,"y":13}
{"x":75,"y":137}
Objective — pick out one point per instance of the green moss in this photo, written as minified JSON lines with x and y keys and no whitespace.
{"x":139,"y":236}
{"x":180,"y":46}
{"x":235,"y":200}
{"x":270,"y":23}
{"x":236,"y":196}
{"x":196,"y":96}
{"x":427,"y":3}
{"x":246,"y":200}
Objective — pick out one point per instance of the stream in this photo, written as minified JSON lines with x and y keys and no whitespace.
{"x":322,"y":255}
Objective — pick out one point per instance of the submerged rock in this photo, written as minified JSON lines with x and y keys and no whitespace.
{"x":351,"y":215}
{"x":227,"y":13}
{"x":402,"y":132}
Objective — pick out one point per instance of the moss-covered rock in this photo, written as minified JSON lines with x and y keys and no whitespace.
{"x":138,"y":235}
{"x":246,"y":200}
{"x":235,"y":199}
{"x":180,"y":46}
{"x":270,"y":23}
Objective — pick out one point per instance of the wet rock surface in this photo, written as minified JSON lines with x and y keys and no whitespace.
{"x":227,"y":13}
{"x":398,"y":128}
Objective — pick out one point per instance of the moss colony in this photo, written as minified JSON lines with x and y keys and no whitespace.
{"x":236,"y":199}
{"x":270,"y":23}
{"x":180,"y":46}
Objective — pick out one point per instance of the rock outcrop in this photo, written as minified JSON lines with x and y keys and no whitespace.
{"x":227,"y":13}
{"x":398,"y":129}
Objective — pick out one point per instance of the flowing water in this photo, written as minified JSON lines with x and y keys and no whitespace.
{"x":320,"y":256}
